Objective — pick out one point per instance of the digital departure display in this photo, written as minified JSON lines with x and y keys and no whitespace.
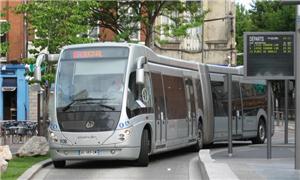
{"x":269,"y":55}
{"x":87,"y":54}
{"x":95,"y":53}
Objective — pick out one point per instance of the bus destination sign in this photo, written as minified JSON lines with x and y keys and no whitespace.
{"x":269,"y":55}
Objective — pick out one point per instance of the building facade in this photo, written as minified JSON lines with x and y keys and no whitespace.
{"x":14,"y":102}
{"x":213,"y":42}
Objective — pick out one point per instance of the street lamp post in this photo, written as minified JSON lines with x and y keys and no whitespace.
{"x":297,"y":135}
{"x":297,"y":121}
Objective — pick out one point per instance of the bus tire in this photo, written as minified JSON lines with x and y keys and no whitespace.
{"x":199,"y":144}
{"x":59,"y":164}
{"x":143,"y":159}
{"x":261,"y":133}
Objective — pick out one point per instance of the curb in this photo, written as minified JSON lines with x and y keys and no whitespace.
{"x":212,"y":169}
{"x":29,"y":173}
{"x":194,"y":173}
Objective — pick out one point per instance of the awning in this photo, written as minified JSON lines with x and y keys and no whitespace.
{"x":9,"y":84}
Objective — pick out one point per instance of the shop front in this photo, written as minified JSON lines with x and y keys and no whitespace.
{"x":13,"y":93}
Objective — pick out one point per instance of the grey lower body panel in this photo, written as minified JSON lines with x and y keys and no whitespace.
{"x":94,"y":153}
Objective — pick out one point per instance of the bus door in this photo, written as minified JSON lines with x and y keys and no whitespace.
{"x":237,"y":116}
{"x":160,"y":112}
{"x":190,"y":98}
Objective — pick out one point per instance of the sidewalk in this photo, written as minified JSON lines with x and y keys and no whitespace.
{"x":250,"y":162}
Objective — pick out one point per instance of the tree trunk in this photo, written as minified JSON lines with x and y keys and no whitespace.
{"x":45,"y":111}
{"x":149,"y":40}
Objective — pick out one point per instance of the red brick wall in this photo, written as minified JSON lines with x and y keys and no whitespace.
{"x":16,"y":34}
{"x":106,"y":34}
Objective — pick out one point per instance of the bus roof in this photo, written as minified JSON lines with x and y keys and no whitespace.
{"x":164,"y":60}
{"x":102,"y":44}
{"x":239,"y":70}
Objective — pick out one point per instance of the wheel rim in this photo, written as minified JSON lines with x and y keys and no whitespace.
{"x":199,"y":140}
{"x":262,"y":132}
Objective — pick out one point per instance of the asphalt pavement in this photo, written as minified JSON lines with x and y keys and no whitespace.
{"x":247,"y":162}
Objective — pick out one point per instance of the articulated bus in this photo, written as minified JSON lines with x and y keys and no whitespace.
{"x":120,"y":101}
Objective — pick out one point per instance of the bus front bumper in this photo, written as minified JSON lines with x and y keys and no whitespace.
{"x":95,"y":153}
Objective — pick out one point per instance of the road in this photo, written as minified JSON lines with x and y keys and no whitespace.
{"x":180,"y":164}
{"x":172,"y":165}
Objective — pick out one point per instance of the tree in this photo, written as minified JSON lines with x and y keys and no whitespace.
{"x":55,"y":24}
{"x":243,"y":24}
{"x":5,"y":26}
{"x":125,"y":18}
{"x":263,"y":16}
{"x":272,"y":16}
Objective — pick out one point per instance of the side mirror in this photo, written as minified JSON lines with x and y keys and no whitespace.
{"x":140,"y":70}
{"x":140,"y":76}
{"x":53,"y":57}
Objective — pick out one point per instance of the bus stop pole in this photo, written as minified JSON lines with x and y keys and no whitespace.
{"x":229,"y":80}
{"x":297,"y":125}
{"x":286,"y":123}
{"x":269,"y":123}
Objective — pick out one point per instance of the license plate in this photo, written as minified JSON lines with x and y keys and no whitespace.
{"x":89,"y":152}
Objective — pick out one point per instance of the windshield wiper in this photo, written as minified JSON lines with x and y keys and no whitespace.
{"x":87,"y":99}
{"x":102,"y":105}
{"x":108,"y":107}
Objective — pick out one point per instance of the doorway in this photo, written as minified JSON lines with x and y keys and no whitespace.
{"x":10,"y":105}
{"x":9,"y":89}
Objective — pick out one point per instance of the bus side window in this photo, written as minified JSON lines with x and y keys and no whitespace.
{"x":220,"y":98}
{"x":175,"y":97}
{"x":139,"y":99}
{"x":199,"y":94}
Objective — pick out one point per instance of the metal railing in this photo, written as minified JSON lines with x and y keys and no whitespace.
{"x":279,"y":116}
{"x":16,"y":132}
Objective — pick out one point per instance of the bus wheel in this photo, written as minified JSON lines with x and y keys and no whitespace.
{"x":261,"y":133}
{"x":143,"y":159}
{"x":199,"y":144}
{"x":59,"y":164}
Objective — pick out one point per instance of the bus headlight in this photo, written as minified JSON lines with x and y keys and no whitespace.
{"x":124,"y":134}
{"x":53,"y":137}
{"x":127,"y":132}
{"x":121,"y":137}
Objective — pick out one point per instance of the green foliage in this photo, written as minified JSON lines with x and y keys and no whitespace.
{"x":125,"y":18}
{"x":263,"y":16}
{"x":18,"y":165}
{"x":183,"y":16}
{"x":57,"y":23}
{"x":28,"y":61}
{"x":272,"y":16}
{"x":5,"y":27}
{"x":4,"y":48}
{"x":243,"y":24}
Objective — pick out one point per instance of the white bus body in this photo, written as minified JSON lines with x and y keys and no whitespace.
{"x":119,"y":101}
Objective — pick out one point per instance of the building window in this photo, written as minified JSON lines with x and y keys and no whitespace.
{"x":94,"y":33}
{"x":3,"y":37}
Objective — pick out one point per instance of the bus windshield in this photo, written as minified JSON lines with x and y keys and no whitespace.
{"x":89,"y":84}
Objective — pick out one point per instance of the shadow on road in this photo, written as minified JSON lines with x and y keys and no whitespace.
{"x":225,"y":144}
{"x":119,"y":164}
{"x":103,"y":164}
